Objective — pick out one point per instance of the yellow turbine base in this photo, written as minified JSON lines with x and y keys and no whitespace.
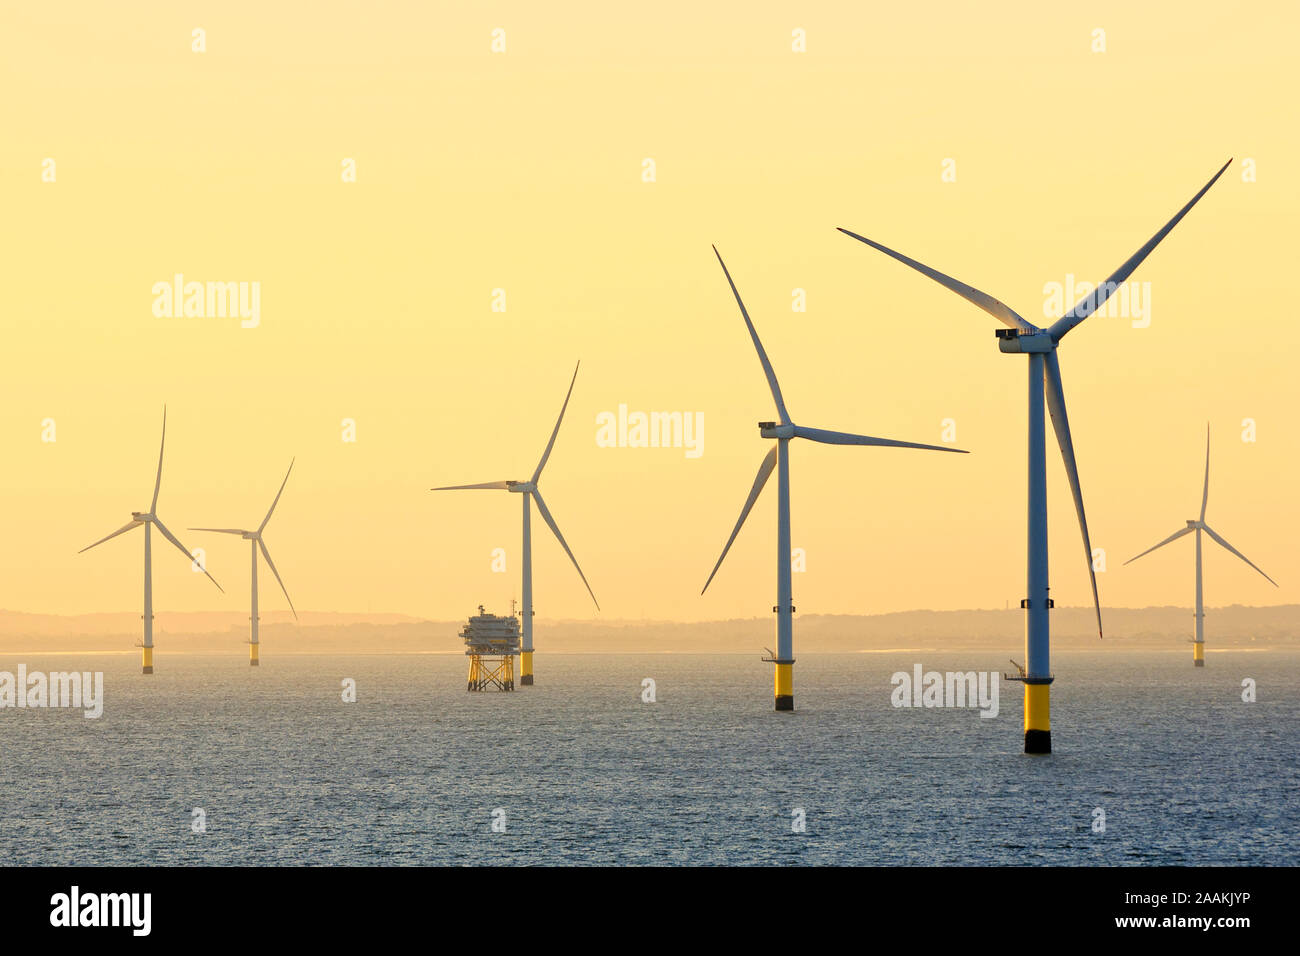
{"x":1038,"y":720}
{"x":252,"y":655}
{"x":147,"y":659}
{"x":1198,"y":653}
{"x":1038,"y":709}
{"x":784,"y":686}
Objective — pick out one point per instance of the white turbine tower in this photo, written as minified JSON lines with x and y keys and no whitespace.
{"x":528,"y":489}
{"x":149,"y":519}
{"x":256,"y":543}
{"x":1039,"y":345}
{"x":778,"y":457}
{"x":1198,"y":525}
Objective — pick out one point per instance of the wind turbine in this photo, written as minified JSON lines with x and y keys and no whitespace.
{"x":1040,"y":345}
{"x":529,"y":490}
{"x":254,"y":538}
{"x":1198,"y":525}
{"x":149,"y":519}
{"x":778,"y":457}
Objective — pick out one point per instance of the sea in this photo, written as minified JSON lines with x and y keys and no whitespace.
{"x":212,"y":762}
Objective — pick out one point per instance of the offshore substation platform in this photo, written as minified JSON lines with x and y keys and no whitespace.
{"x":492,"y":644}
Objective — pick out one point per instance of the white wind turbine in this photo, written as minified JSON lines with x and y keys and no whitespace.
{"x":778,"y":457}
{"x":1198,"y":525}
{"x":528,"y":489}
{"x":256,"y":543}
{"x":149,"y":519}
{"x":1040,"y":345}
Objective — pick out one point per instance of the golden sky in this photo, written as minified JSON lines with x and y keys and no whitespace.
{"x":522,"y":170}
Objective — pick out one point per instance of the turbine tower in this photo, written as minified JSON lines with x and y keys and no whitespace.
{"x":778,"y":457}
{"x":149,"y":519}
{"x":1040,"y":345}
{"x":1198,"y":525}
{"x":256,"y":543}
{"x":530,"y":492}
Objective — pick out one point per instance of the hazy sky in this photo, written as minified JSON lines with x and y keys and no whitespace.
{"x":524,"y":171}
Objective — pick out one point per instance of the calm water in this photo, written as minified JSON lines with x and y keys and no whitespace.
{"x":287,"y":773}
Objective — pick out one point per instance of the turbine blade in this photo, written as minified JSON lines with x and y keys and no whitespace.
{"x":1061,"y":423}
{"x":764,"y":470}
{"x":157,"y":484}
{"x":1205,"y":495}
{"x":845,"y":438}
{"x":1095,"y":299}
{"x":762,"y":355}
{"x":162,"y":528}
{"x":122,"y":530}
{"x":546,"y":516}
{"x":277,"y":496}
{"x":556,"y":430}
{"x":1173,"y":537}
{"x":271,"y":564}
{"x":1210,"y":532}
{"x":500,"y":485}
{"x":219,"y":530}
{"x":999,"y":310}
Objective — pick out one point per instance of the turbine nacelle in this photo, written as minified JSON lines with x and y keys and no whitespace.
{"x":774,"y":430}
{"x":1018,"y":340}
{"x":1193,"y":524}
{"x":142,"y":515}
{"x":521,"y":487}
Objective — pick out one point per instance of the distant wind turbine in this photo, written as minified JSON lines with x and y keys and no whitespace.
{"x":256,"y":542}
{"x":1044,"y":376}
{"x":778,"y":457}
{"x":1198,"y":525}
{"x":149,"y":519}
{"x":529,"y":490}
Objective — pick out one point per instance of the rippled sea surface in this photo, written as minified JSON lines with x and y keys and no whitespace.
{"x":285,"y":772}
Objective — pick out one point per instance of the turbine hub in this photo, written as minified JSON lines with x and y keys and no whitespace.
{"x":773,"y":430}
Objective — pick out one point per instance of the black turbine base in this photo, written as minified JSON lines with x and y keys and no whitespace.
{"x":1038,"y":741}
{"x":1199,"y":663}
{"x":526,"y":680}
{"x":785,"y":702}
{"x":149,"y":669}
